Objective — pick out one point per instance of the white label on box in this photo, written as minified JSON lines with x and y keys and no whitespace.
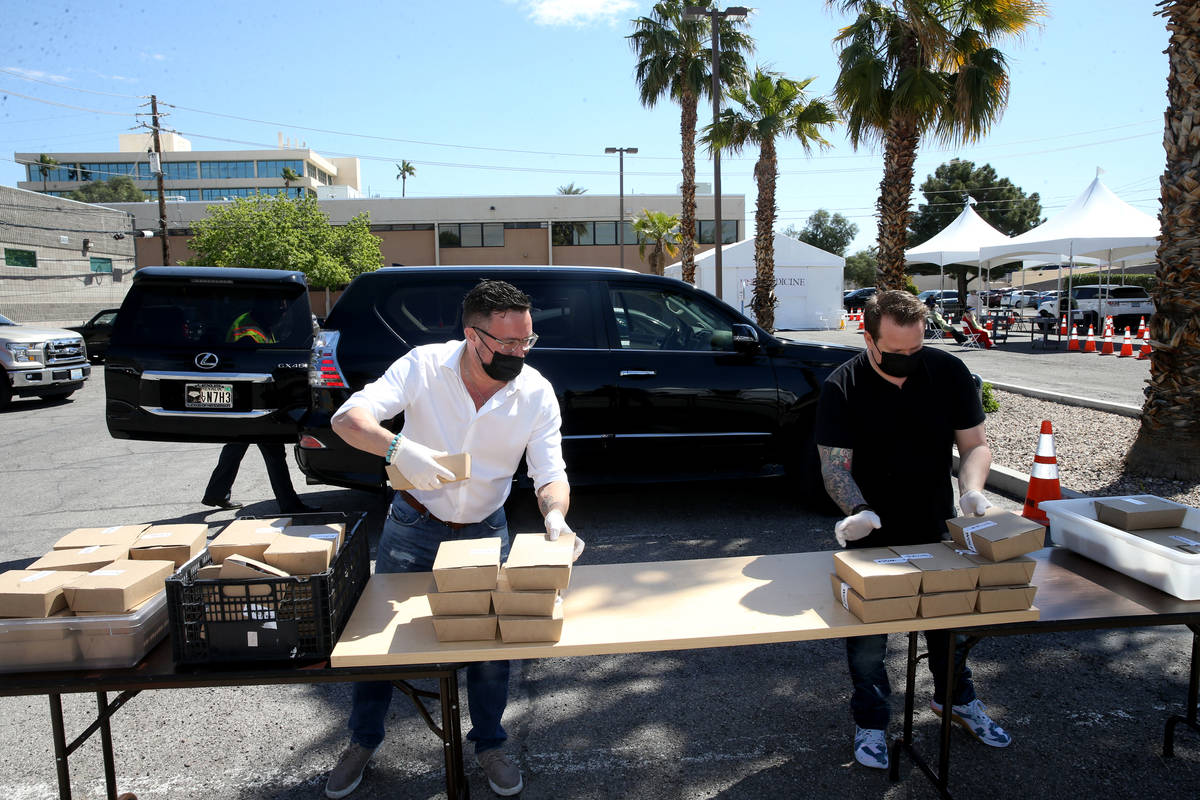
{"x":112,"y":529}
{"x":896,"y":560}
{"x":846,"y":595}
{"x":970,"y":539}
{"x":966,"y":552}
{"x":1131,"y":500}
{"x":88,"y":550}
{"x":912,"y":556}
{"x":109,"y":573}
{"x":159,"y":535}
{"x":37,"y":576}
{"x":267,"y":529}
{"x":251,"y":638}
{"x":329,"y":536}
{"x":978,"y":526}
{"x":1186,"y":540}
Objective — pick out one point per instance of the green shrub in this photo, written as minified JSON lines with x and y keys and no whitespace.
{"x":989,"y":399}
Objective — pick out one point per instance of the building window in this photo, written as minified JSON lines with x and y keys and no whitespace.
{"x":274,"y":169}
{"x":191,"y":195}
{"x":471,"y":234}
{"x":704,"y":231}
{"x":60,"y":173}
{"x":224,"y":193}
{"x":518,"y":226}
{"x":225,"y":170}
{"x":101,"y":264}
{"x":606,"y":232}
{"x":585,"y":233}
{"x":179,"y":171}
{"x":404,"y":226}
{"x":19,"y":258}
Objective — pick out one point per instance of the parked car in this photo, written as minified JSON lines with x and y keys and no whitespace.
{"x":40,"y":362}
{"x":96,"y":333}
{"x":994,"y":298}
{"x":947,"y":299}
{"x":172,"y":373}
{"x":858,"y":298}
{"x":1091,"y":304}
{"x":656,"y":380}
{"x":1020,"y":298}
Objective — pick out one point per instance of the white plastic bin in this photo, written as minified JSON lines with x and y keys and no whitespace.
{"x":1073,"y":525}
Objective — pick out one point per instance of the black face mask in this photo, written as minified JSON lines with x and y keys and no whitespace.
{"x":503,"y":367}
{"x":899,"y":365}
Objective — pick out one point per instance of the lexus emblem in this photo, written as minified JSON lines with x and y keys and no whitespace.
{"x":206,"y":360}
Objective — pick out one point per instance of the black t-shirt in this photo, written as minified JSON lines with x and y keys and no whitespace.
{"x":901,"y":437}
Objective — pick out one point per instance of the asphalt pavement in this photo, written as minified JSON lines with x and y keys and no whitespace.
{"x":1085,"y":709}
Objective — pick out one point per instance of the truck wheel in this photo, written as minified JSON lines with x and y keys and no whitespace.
{"x":5,"y":390}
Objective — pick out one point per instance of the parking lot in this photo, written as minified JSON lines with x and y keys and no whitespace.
{"x":1085,"y":709}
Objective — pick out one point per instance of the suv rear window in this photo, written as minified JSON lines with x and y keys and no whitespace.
{"x":189,"y":315}
{"x":1127,"y":292}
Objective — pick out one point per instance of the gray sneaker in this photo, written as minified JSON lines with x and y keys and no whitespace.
{"x":503,"y":776}
{"x":348,"y":773}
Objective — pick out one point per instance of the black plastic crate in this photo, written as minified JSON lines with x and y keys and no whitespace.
{"x":268,"y":619}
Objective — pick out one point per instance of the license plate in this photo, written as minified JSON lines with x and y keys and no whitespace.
{"x":77,"y":374}
{"x":208,"y":395}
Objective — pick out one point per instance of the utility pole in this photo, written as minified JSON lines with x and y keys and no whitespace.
{"x":162,"y":199}
{"x":621,"y":202}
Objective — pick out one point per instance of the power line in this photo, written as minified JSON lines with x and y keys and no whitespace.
{"x":63,"y":105}
{"x":18,"y":74}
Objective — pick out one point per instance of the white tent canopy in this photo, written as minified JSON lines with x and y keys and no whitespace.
{"x":957,"y":243}
{"x":808,"y":281}
{"x":1097,"y":223}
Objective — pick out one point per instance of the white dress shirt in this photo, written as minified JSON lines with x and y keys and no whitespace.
{"x":523,"y":417}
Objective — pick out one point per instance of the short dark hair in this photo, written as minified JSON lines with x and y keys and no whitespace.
{"x":903,"y":307}
{"x":489,"y":297}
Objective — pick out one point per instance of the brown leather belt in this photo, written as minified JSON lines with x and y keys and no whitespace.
{"x":421,"y":509}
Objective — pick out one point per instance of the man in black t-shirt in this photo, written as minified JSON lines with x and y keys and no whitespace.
{"x":885,"y":425}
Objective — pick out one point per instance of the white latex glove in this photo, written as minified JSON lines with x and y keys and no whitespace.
{"x":578,"y":549}
{"x":973,"y":503}
{"x":417,"y":463}
{"x":556,"y":524}
{"x":856,"y":526}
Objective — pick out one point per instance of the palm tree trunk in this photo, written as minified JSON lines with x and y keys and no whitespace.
{"x":764,"y":302}
{"x":1168,"y":442}
{"x":687,"y":215}
{"x":403,"y":185}
{"x":895,"y":191}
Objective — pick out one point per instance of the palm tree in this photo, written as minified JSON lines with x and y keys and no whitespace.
{"x":405,"y":169}
{"x":772,"y":106}
{"x":917,"y":68}
{"x":1168,"y":442}
{"x":662,"y":230}
{"x":45,"y":164}
{"x":571,"y":188}
{"x":674,"y":62}
{"x":289,"y":176}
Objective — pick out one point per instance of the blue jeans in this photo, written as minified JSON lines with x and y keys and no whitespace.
{"x":869,"y":702}
{"x":409,"y":543}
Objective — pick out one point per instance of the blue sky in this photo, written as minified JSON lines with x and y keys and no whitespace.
{"x":514,"y":97}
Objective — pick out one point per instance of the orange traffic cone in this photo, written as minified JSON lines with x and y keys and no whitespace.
{"x":987,"y":326}
{"x":1062,"y":328}
{"x":1141,"y":328}
{"x":860,"y":322}
{"x":1108,"y":323}
{"x":1073,"y":342}
{"x":1126,"y":346}
{"x":1106,"y":348}
{"x":1145,"y":351}
{"x":1043,"y":478}
{"x":1089,"y":346}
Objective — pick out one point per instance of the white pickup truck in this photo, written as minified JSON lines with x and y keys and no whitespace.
{"x":41,"y":362}
{"x":1125,"y":304}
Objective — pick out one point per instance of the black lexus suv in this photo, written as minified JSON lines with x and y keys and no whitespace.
{"x":656,"y":380}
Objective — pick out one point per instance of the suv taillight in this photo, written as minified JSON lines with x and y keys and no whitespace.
{"x":323,"y":369}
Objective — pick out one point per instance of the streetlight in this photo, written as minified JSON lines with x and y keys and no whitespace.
{"x":732,"y":13}
{"x":621,"y":206}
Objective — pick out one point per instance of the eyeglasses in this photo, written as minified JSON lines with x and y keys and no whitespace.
{"x":510,"y":345}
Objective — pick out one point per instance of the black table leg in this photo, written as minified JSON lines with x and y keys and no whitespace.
{"x":456,"y":781}
{"x":1193,"y":696}
{"x":110,"y":767}
{"x":60,"y":747}
{"x":905,"y":741}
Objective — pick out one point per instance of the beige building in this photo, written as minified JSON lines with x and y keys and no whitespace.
{"x":553,"y":229}
{"x":195,"y":175}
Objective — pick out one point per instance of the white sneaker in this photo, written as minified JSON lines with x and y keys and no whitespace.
{"x":870,"y":747}
{"x":974,"y":719}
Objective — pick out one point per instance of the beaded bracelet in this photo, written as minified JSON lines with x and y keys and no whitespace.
{"x":392,"y":448}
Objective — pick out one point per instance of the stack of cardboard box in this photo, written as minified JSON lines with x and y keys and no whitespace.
{"x":984,"y":569}
{"x":528,"y":598}
{"x":1150,"y":518}
{"x":272,"y":548}
{"x":465,"y":572}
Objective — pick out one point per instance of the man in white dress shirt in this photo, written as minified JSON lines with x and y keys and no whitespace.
{"x":475,"y":396}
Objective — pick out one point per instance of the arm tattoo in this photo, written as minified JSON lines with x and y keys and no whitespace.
{"x":835,"y":469}
{"x":547,"y":502}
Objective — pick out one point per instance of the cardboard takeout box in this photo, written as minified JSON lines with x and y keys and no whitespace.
{"x":34,"y":593}
{"x":535,"y":562}
{"x":1138,"y":513}
{"x":113,"y":535}
{"x":458,"y":463}
{"x":881,"y":609}
{"x":997,"y":535}
{"x":178,"y":543}
{"x":464,"y":565}
{"x":877,"y":572}
{"x":246,"y":537}
{"x":117,"y":587}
